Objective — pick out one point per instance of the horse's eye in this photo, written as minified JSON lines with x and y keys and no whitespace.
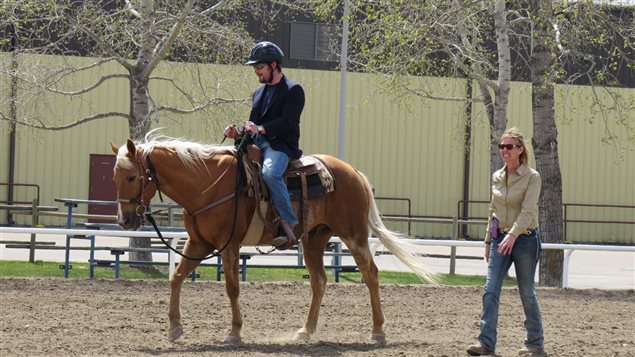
{"x":131,"y":178}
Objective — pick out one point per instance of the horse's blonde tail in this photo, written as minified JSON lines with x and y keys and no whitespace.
{"x":393,"y":240}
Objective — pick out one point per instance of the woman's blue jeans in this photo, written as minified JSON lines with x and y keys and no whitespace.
{"x":273,"y":167}
{"x":525,"y":256}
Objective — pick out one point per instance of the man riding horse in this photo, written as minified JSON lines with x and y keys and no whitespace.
{"x":274,"y":124}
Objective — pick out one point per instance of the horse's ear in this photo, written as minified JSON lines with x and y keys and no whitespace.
{"x":114,"y":148}
{"x":132,"y":149}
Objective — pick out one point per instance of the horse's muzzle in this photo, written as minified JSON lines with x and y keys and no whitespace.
{"x":128,"y":221}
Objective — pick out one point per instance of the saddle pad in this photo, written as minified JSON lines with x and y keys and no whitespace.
{"x":256,"y":227}
{"x":314,"y":187}
{"x":318,"y":177}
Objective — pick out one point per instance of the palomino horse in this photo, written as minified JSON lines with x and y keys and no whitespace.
{"x":197,"y":176}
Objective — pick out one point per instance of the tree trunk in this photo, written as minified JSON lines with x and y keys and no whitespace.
{"x":545,"y":143}
{"x":495,"y":160}
{"x":140,"y":123}
{"x":139,"y":126}
{"x":501,"y":92}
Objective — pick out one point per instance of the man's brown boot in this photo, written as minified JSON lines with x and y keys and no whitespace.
{"x":285,"y":242}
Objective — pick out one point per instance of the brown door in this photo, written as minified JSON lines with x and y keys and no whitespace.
{"x":101,"y":187}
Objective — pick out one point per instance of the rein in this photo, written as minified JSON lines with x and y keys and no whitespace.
{"x":152,"y":176}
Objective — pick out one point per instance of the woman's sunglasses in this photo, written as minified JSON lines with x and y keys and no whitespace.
{"x":507,"y":146}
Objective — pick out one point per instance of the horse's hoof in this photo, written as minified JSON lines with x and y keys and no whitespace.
{"x":231,"y":340}
{"x":175,"y":333}
{"x":378,"y":337}
{"x":302,"y":336}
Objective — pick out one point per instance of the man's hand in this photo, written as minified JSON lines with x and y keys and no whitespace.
{"x":251,"y":128}
{"x":231,"y":132}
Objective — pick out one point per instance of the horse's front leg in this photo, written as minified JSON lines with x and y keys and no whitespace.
{"x":184,"y":268}
{"x":182,"y":271}
{"x":230,"y":267}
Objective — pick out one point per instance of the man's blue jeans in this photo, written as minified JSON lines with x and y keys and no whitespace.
{"x":525,"y":257}
{"x":273,"y":167}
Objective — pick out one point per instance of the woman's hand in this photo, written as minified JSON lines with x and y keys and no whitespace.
{"x":506,"y":246}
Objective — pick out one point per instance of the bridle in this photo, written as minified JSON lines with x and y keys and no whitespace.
{"x":146,"y":175}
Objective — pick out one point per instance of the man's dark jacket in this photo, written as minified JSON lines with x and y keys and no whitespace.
{"x":281,"y":119}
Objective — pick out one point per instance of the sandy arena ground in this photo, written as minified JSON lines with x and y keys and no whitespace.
{"x":56,"y":317}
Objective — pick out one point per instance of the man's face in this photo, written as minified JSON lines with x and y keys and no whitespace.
{"x":263,"y":71}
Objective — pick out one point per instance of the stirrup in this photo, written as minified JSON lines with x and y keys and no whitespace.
{"x":281,"y":241}
{"x":285,"y":241}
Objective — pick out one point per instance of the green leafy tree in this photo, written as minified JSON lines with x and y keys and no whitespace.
{"x":577,"y":42}
{"x":581,"y":42}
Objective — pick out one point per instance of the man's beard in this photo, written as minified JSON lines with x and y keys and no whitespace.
{"x":264,"y":79}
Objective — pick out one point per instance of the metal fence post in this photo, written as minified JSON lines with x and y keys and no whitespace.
{"x":300,"y":255}
{"x":337,"y":260}
{"x":34,"y":223}
{"x":455,"y":231}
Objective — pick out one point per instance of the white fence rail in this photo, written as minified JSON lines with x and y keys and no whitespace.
{"x":567,"y":248}
{"x":92,"y":232}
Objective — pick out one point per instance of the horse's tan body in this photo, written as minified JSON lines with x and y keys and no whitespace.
{"x":348,"y":212}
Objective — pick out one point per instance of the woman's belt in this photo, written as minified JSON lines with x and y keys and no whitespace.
{"x":529,"y":232}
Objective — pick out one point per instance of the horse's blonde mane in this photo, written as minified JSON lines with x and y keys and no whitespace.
{"x":192,"y":154}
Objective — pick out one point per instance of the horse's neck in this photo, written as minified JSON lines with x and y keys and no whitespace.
{"x":195,"y":187}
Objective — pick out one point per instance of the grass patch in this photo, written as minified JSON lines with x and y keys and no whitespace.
{"x":13,"y":268}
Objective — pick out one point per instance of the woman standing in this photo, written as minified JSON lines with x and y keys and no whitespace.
{"x":512,"y":237}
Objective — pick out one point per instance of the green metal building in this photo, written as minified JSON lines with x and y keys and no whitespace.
{"x":409,"y":148}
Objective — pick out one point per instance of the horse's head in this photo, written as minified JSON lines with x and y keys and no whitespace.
{"x":135,"y":186}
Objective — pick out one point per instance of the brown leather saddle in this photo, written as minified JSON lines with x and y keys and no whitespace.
{"x":306,"y":178}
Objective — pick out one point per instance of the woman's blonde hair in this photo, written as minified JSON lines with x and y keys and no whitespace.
{"x":515,"y":134}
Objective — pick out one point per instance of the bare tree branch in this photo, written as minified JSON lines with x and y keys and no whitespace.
{"x":214,"y":7}
{"x":165,"y":44}
{"x":132,"y":10}
{"x":86,"y":89}
{"x":40,"y":124}
{"x":214,"y":101}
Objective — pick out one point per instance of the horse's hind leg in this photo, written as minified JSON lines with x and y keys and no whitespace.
{"x":314,"y":260}
{"x":183,"y":269}
{"x":360,"y":251}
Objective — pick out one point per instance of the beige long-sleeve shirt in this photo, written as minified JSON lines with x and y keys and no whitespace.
{"x":514,"y":201}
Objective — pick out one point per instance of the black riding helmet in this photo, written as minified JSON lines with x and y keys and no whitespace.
{"x":265,"y":52}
